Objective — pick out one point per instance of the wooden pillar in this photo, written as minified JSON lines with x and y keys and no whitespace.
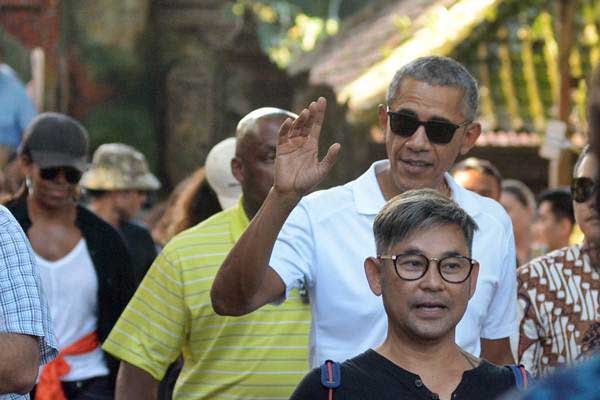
{"x":561,"y":169}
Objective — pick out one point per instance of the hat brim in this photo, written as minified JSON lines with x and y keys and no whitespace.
{"x":103,"y":179}
{"x":45,"y":159}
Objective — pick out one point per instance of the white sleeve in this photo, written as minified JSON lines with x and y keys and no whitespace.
{"x":293,"y":253}
{"x":501,"y":318}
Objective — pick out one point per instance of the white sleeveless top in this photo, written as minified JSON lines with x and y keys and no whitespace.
{"x":71,"y":287}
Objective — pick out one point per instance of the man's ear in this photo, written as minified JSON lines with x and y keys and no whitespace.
{"x":472,"y":132}
{"x":237,"y":169}
{"x":373,"y":270}
{"x":473,"y":279}
{"x":382,"y":117}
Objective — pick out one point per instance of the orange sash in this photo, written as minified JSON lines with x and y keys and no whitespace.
{"x":49,"y":386}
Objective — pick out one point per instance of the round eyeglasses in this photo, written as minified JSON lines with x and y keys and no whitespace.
{"x":412,"y":267}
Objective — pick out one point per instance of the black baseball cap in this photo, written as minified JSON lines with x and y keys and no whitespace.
{"x":56,"y":140}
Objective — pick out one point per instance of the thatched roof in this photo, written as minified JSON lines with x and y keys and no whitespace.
{"x":359,"y":62}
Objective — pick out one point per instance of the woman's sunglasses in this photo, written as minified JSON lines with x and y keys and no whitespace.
{"x":438,"y":132}
{"x":71,"y":174}
{"x":583,"y":188}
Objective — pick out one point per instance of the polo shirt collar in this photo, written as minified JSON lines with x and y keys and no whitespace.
{"x":366,"y":191}
{"x":369,"y":199}
{"x":239,"y":220}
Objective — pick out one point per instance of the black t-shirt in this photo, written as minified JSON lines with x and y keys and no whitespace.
{"x":141,"y":247}
{"x":372,"y":376}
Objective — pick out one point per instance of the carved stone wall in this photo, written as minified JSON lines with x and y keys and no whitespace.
{"x":191,"y":118}
{"x":215,"y":73}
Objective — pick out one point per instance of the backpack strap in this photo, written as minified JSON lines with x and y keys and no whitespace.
{"x":331,"y":376}
{"x":522,"y":377}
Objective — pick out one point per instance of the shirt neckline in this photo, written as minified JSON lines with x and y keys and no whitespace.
{"x":67,"y":258}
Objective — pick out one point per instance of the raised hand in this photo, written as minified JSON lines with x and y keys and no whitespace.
{"x":297,"y":165}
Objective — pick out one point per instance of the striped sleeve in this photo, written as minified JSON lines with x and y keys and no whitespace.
{"x":151,"y":330}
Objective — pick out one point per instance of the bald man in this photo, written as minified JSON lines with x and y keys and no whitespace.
{"x":262,"y":355}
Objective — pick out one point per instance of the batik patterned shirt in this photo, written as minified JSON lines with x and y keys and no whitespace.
{"x":559,"y":309}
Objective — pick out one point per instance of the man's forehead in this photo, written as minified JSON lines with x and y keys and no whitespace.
{"x":412,"y":94}
{"x":418,"y":238}
{"x":261,"y":134}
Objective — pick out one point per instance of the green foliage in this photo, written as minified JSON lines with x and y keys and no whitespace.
{"x":128,"y":115}
{"x":289,"y":28}
{"x":123,"y":121}
{"x":15,"y":55}
{"x":521,"y":19}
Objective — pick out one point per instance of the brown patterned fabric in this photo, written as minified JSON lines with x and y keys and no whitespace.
{"x":559,"y":309}
{"x":590,"y":344}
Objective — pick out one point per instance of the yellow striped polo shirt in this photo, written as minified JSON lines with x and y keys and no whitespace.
{"x":262,"y":355}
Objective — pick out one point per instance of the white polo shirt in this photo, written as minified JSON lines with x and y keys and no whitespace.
{"x":326,"y":239}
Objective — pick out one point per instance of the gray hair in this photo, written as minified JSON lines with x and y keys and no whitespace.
{"x":419,"y":209}
{"x":250,"y":122}
{"x":439,"y":71}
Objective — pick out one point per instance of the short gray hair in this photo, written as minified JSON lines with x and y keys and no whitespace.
{"x":439,"y":71}
{"x":419,"y":209}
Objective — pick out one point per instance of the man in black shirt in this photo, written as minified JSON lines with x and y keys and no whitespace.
{"x":425,"y":278}
{"x":117,"y":184}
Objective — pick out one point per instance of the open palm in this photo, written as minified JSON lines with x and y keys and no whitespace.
{"x":297,"y":165}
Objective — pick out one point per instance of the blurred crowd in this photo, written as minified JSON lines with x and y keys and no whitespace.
{"x":240,"y":281}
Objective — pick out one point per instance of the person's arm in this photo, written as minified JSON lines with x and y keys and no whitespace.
{"x":497,"y":351}
{"x":531,"y":328}
{"x":26,"y":338}
{"x":134,"y":383}
{"x":245,"y":281}
{"x":19,"y":359}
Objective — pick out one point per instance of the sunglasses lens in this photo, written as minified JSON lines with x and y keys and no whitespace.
{"x":49,"y":173}
{"x":403,"y":125}
{"x":71,"y":175}
{"x":440,"y":132}
{"x":437,"y":131}
{"x":582,"y":189}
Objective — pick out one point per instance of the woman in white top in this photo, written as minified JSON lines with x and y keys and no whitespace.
{"x":83,"y":262}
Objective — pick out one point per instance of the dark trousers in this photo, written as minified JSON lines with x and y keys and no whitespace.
{"x":100,"y":388}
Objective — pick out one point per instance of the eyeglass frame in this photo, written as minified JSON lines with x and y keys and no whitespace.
{"x":594,"y":184}
{"x":393,"y":258}
{"x":452,"y":125}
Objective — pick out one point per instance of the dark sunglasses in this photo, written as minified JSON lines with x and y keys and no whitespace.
{"x":583,"y":188}
{"x":71,"y":174}
{"x":439,"y":132}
